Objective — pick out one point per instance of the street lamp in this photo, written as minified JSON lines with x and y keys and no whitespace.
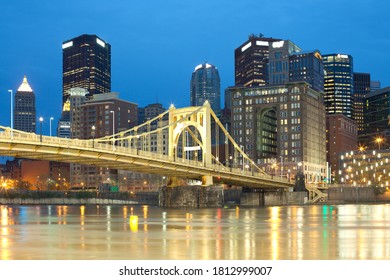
{"x":113,"y":129}
{"x":40,"y":122}
{"x":12,"y":113}
{"x":93,"y":136}
{"x":50,"y":124}
{"x":379,"y":140}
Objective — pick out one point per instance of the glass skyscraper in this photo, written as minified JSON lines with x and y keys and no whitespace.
{"x":205,"y":86}
{"x":361,"y":89}
{"x":250,"y":61}
{"x":25,"y":111}
{"x":338,"y":85}
{"x":86,"y":64}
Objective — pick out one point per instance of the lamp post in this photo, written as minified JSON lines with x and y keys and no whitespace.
{"x":50,"y":124}
{"x":93,"y":136}
{"x":12,"y":113}
{"x":40,"y":122}
{"x":113,"y":129}
{"x":379,"y":140}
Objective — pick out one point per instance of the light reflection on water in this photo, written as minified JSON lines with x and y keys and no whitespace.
{"x":107,"y":232}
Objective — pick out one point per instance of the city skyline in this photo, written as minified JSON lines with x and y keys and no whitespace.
{"x":152,"y":59}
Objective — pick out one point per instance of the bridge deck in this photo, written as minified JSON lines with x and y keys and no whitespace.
{"x":88,"y":152}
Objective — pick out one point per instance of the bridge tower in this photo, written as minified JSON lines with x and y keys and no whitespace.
{"x":182,"y":119}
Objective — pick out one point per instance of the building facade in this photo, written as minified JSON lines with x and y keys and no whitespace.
{"x":338,"y":84}
{"x":24,"y":110}
{"x":251,"y":60}
{"x":376,"y":131}
{"x":205,"y":86}
{"x":149,"y":112}
{"x":361,"y":89}
{"x":307,"y":67}
{"x":86,"y":64}
{"x":280,"y":126}
{"x":98,"y":116}
{"x":341,"y":136}
{"x":279,"y":61}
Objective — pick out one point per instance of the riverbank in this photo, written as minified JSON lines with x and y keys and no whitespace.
{"x":193,"y":198}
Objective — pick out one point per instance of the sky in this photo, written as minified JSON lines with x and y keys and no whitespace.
{"x":155,"y":45}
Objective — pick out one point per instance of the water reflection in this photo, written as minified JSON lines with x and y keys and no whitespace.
{"x":144,"y":232}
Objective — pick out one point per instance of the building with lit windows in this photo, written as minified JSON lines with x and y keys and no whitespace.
{"x":361,"y":90}
{"x":205,"y":86}
{"x":24,"y":108}
{"x":86,"y":64}
{"x":341,"y":136}
{"x":98,"y":116}
{"x":251,"y":60}
{"x":338,"y":84}
{"x":281,"y":128}
{"x":361,"y":168}
{"x":307,"y":66}
{"x":376,"y":131}
{"x":149,"y":112}
{"x":279,"y":61}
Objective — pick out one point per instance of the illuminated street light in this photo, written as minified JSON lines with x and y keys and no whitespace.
{"x":379,"y":140}
{"x":93,"y":136}
{"x":40,"y":121}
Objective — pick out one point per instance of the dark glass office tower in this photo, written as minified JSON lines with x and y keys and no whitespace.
{"x":308,"y":67}
{"x":25,"y":111}
{"x":361,"y":90}
{"x":250,"y":61}
{"x":205,"y":85}
{"x":86,"y":64}
{"x":338,"y":85}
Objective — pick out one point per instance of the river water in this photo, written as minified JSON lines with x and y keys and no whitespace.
{"x":320,"y":232}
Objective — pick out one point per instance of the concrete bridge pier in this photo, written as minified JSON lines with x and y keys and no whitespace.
{"x":191,"y":196}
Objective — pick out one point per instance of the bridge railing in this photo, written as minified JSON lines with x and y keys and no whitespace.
{"x":17,"y":136}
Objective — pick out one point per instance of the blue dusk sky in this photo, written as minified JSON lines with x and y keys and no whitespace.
{"x":157,"y":44}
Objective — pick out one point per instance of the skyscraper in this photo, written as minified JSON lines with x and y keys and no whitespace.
{"x":205,"y":85}
{"x":24,"y":111}
{"x":338,"y":85}
{"x":267,"y":61}
{"x":250,"y":61}
{"x":86,"y":64}
{"x":307,"y":66}
{"x":361,"y":90}
{"x":279,"y":61}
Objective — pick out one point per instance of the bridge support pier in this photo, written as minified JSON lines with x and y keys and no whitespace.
{"x":191,"y":196}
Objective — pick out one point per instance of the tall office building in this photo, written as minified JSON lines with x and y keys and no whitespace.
{"x":280,"y":126}
{"x":250,"y":61}
{"x":205,"y":85}
{"x":101,"y":115}
{"x":24,"y":110}
{"x":86,"y":64}
{"x":268,"y":61}
{"x":338,"y":84}
{"x":279,"y":61}
{"x":361,"y":90}
{"x":376,"y":132}
{"x":307,"y":67}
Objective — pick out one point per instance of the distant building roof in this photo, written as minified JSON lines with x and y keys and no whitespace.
{"x":25,"y":87}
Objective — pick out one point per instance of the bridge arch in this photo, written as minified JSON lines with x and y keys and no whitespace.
{"x":197,"y":117}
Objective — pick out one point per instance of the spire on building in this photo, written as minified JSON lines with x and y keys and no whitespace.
{"x":25,"y":87}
